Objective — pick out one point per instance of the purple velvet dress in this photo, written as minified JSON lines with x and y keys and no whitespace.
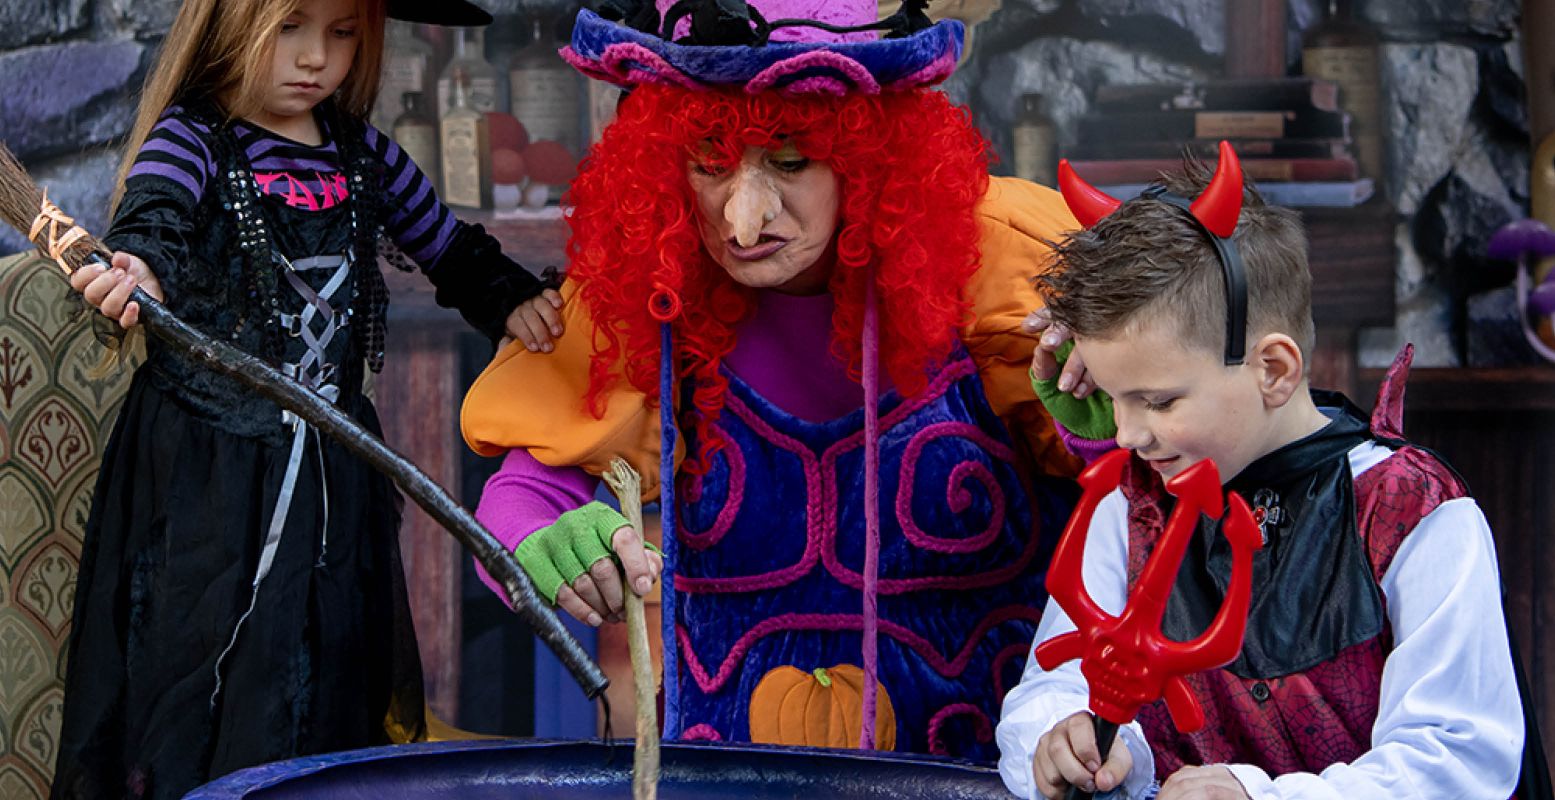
{"x":771,"y":538}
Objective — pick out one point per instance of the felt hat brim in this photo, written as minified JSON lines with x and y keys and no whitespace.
{"x":616,"y":53}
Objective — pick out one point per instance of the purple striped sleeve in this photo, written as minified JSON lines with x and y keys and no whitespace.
{"x":419,"y":224}
{"x":176,"y":128}
{"x":174,"y":152}
{"x":433,"y":252}
{"x":158,"y":169}
{"x":525,"y":496}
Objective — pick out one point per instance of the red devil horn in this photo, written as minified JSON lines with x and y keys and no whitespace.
{"x":1088,"y":203}
{"x":1221,"y":203}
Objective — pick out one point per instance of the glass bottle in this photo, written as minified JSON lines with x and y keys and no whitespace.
{"x":416,"y":134}
{"x":466,"y":150}
{"x":469,"y":57}
{"x":1344,"y":49}
{"x":1034,"y":142}
{"x":407,"y":59}
{"x":545,"y":91}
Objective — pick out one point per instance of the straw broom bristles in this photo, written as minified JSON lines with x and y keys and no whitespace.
{"x":20,"y":202}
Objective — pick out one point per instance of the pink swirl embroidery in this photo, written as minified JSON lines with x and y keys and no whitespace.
{"x":979,"y":719}
{"x":731,"y":506}
{"x":1003,"y":658}
{"x":813,"y":515}
{"x":862,"y":81}
{"x":701,"y":732}
{"x":947,"y":667}
{"x":890,"y":586}
{"x":956,"y":494}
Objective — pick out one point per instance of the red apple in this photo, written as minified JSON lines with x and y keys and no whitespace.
{"x":506,"y":131}
{"x":550,"y":163}
{"x":507,"y":166}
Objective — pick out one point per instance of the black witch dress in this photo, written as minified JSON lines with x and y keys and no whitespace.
{"x":241,"y":597}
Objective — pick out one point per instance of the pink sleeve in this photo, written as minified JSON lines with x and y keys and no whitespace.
{"x":525,"y":496}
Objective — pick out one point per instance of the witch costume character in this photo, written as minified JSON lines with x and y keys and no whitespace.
{"x":795,"y":298}
{"x":241,"y":597}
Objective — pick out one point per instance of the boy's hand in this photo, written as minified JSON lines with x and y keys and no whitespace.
{"x":1068,"y":756}
{"x":535,"y":322}
{"x":1203,"y":783}
{"x":1044,"y":364}
{"x":108,"y":289}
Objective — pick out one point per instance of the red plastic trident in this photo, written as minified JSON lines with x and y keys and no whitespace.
{"x":1126,"y":659}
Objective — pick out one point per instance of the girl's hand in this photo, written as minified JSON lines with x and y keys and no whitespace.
{"x":1203,"y":783}
{"x":108,"y":289}
{"x":1075,"y":379}
{"x":536,"y":322}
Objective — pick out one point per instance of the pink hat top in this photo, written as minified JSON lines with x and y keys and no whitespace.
{"x":765,"y":45}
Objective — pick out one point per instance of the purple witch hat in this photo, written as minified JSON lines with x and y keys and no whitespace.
{"x":791,"y":46}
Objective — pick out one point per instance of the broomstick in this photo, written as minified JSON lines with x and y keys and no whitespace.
{"x":627,"y":485}
{"x":25,"y":208}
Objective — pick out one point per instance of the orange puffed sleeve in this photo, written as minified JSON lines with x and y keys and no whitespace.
{"x":1016,"y":216}
{"x":535,"y":401}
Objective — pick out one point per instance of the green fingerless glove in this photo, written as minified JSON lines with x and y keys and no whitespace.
{"x":557,"y":554}
{"x":1090,"y":418}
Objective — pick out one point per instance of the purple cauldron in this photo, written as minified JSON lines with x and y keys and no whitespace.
{"x":571,"y":770}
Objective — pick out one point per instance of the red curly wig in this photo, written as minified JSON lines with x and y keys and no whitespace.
{"x":911,"y":169}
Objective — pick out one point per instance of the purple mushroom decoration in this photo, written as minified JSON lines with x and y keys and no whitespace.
{"x":1525,"y":241}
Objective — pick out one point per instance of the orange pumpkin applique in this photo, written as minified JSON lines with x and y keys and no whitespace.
{"x":824,"y":708}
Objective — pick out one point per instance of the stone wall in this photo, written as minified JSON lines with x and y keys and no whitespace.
{"x":72,"y":70}
{"x":1454,"y":108}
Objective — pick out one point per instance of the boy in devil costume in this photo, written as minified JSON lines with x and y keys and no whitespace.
{"x":1376,"y":661}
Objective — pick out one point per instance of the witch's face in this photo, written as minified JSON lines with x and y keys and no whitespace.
{"x":769,"y":219}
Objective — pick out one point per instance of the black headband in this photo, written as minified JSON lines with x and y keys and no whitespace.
{"x":1231,"y":264}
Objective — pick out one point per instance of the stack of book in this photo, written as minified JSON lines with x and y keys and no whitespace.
{"x":1290,"y":133}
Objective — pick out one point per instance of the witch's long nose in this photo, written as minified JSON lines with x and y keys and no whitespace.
{"x":753,"y":202}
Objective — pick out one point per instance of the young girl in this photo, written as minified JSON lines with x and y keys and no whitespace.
{"x":241,"y":597}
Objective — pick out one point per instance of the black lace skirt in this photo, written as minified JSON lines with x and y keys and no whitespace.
{"x":171,"y":548}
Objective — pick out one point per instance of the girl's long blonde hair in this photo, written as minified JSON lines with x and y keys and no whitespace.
{"x":222,"y":49}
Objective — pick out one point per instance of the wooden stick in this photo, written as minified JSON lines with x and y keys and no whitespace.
{"x":627,"y":485}
{"x":55,"y":235}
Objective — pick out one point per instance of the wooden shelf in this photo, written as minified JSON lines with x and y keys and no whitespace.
{"x":1478,"y":390}
{"x":1351,"y":254}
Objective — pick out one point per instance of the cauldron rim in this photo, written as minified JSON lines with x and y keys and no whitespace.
{"x":246,"y":782}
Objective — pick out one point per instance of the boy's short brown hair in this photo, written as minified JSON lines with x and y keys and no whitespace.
{"x":1147,"y":261}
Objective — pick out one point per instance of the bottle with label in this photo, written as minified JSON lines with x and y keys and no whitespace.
{"x":466,"y":150}
{"x":416,"y":134}
{"x":1344,"y":49}
{"x":407,"y":60}
{"x":469,"y":57}
{"x":603,"y":99}
{"x":545,"y":91}
{"x":1034,"y":140}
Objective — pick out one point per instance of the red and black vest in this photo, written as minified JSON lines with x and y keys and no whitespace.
{"x":1310,"y":719}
